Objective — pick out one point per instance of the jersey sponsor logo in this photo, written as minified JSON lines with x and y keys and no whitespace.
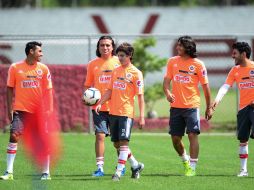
{"x":182,"y":79}
{"x":139,"y":83}
{"x":204,"y":72}
{"x":104,"y":78}
{"x":119,"y":85}
{"x":30,"y":84}
{"x":49,"y":76}
{"x":246,"y":85}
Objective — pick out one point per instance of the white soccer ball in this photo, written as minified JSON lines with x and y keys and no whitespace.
{"x":91,"y":96}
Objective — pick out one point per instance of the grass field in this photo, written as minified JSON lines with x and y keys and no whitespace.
{"x":217,"y":167}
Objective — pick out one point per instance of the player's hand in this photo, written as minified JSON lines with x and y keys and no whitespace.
{"x":141,"y":123}
{"x":214,"y":105}
{"x":97,"y":108}
{"x":171,"y":98}
{"x":209,"y":113}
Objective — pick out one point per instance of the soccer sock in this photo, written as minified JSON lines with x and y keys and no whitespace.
{"x":46,"y":166}
{"x":100,"y":163}
{"x":11,"y":153}
{"x":193,"y":163}
{"x":185,"y":157}
{"x":122,"y":159}
{"x":243,"y":155}
{"x":133,"y":162}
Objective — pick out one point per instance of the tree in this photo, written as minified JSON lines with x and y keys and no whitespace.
{"x":148,"y":63}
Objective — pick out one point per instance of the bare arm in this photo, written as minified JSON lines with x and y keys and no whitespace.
{"x":104,"y":98}
{"x":207,"y":93}
{"x":166,"y":85}
{"x":141,"y":104}
{"x":9,"y":102}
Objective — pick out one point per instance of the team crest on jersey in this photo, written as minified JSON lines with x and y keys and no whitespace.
{"x":191,"y":68}
{"x":251,"y":73}
{"x":128,"y":75}
{"x":39,"y":72}
{"x":119,"y":85}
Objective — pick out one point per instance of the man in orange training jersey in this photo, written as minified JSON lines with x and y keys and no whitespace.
{"x":126,"y":83}
{"x":185,"y":72}
{"x":31,"y":81}
{"x":243,"y":74}
{"x":99,"y":72}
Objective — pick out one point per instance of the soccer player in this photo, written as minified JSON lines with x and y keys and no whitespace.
{"x":185,"y":72}
{"x":31,"y":81}
{"x":98,"y":76}
{"x":243,"y":74}
{"x":126,"y":82}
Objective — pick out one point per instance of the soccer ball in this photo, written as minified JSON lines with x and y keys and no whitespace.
{"x":91,"y":96}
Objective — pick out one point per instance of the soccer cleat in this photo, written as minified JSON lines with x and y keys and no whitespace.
{"x":45,"y":176}
{"x":7,"y":176}
{"x":188,"y":171}
{"x":123,"y":171}
{"x":115,"y":177}
{"x":136,"y":172}
{"x":243,"y":173}
{"x":98,"y":173}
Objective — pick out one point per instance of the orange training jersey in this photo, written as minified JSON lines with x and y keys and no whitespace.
{"x":244,"y":77}
{"x":30,"y":83}
{"x":99,"y":75}
{"x":125,"y":84}
{"x":185,"y":76}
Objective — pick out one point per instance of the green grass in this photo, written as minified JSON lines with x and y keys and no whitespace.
{"x":217,"y":167}
{"x":224,"y":116}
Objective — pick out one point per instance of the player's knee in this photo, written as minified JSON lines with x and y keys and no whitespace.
{"x":14,"y":138}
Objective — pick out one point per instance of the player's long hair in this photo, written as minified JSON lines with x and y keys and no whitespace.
{"x":189,"y":45}
{"x":242,"y":47}
{"x":126,"y":48}
{"x":105,"y":38}
{"x":32,"y":45}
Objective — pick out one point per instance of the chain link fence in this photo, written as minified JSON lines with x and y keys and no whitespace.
{"x":77,"y":51}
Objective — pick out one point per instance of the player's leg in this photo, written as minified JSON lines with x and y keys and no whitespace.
{"x":176,"y":130}
{"x":16,"y":129}
{"x":101,"y":131}
{"x":243,"y":133}
{"x":192,"y":119}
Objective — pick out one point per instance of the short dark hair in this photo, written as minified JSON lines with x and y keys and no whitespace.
{"x":32,"y":45}
{"x":189,"y":45}
{"x":126,"y":48}
{"x":242,"y":47}
{"x":98,"y":54}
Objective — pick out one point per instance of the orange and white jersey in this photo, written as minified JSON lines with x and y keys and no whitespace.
{"x":244,"y":78}
{"x":185,"y":76}
{"x":99,"y":75}
{"x":30,"y":83}
{"x":125,"y":84}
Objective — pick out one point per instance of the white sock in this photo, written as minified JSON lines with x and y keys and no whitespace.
{"x":193,"y":163}
{"x":46,"y":166}
{"x":185,"y":157}
{"x":11,"y":153}
{"x":133,"y":162}
{"x":243,"y":155}
{"x":123,"y":155}
{"x":100,"y":163}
